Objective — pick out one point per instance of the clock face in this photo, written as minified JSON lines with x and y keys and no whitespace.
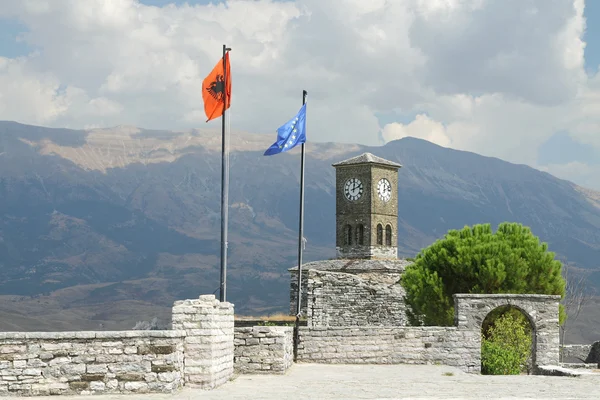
{"x":384,"y":190}
{"x":353,"y":189}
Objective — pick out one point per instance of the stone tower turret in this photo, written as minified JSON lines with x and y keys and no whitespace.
{"x":366,"y":208}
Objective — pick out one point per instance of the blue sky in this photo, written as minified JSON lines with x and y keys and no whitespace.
{"x":592,"y":35}
{"x":10,"y":47}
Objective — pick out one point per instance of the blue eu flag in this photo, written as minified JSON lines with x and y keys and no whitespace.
{"x":290,"y":134}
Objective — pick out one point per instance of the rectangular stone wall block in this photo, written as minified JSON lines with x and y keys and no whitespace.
{"x":263,"y":349}
{"x":367,"y":292}
{"x":390,"y":345}
{"x":209,"y":340}
{"x":55,"y":363}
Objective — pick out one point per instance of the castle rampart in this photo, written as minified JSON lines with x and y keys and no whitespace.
{"x":198,"y":352}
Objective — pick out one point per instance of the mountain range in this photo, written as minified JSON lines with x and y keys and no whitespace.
{"x":105,"y":227}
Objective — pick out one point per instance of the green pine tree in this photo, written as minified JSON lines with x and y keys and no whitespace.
{"x":479,"y":261}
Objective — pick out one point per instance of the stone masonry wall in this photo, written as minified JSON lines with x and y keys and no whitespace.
{"x":351,"y":292}
{"x":208,"y":343}
{"x":263,"y":349}
{"x":199,"y":351}
{"x":581,"y":353}
{"x":391,"y":345}
{"x":361,"y":252}
{"x":541,"y":310}
{"x":458,"y":346}
{"x":342,"y":299}
{"x":575,"y":353}
{"x":41,"y":363}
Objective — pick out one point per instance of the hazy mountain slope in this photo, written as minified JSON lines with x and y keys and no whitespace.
{"x":130,"y":219}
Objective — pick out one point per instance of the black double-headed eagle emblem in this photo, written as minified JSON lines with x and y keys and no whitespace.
{"x":217,"y":88}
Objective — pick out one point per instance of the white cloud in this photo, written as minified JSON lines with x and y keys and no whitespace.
{"x":27,"y":96}
{"x":422,"y":127}
{"x":493,"y":76}
{"x":492,"y":124}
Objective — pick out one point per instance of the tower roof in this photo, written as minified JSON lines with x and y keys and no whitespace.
{"x":367,"y":158}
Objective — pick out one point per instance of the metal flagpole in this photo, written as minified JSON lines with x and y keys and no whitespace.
{"x":300,"y":244}
{"x":224,"y":186}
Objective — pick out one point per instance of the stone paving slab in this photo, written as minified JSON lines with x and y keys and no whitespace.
{"x":326,"y":381}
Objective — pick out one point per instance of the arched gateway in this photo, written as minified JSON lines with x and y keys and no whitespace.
{"x":541,"y":310}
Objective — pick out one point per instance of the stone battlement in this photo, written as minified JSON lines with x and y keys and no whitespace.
{"x":199,"y":351}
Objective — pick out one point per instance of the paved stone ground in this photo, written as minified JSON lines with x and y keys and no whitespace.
{"x":322,"y":381}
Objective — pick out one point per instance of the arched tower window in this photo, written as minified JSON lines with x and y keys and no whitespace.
{"x":379,"y":234}
{"x":348,"y":235}
{"x":388,"y":235}
{"x":360,"y":230}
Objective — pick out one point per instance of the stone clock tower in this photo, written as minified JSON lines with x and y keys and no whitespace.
{"x":366,"y":208}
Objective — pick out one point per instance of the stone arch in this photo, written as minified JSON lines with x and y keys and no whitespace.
{"x":531,"y":325}
{"x":470,"y":311}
